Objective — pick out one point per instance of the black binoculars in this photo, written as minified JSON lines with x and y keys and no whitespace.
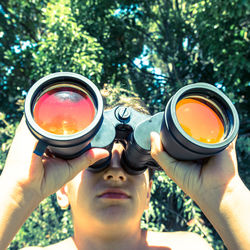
{"x":65,"y":112}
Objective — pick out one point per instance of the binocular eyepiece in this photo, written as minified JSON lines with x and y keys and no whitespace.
{"x":65,"y":112}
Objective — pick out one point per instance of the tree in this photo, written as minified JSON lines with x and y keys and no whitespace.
{"x":149,"y":47}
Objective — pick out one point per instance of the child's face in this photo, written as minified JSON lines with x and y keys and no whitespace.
{"x":109,"y":198}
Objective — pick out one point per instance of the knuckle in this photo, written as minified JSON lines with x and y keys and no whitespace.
{"x":155,"y":152}
{"x":89,"y":159}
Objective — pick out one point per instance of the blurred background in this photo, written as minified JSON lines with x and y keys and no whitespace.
{"x":147,"y":48}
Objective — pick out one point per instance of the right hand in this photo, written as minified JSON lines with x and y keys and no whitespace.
{"x":41,"y":176}
{"x":205,"y":183}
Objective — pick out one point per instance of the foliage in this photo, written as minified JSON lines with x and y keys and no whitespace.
{"x":65,"y":46}
{"x":47,"y":225}
{"x":7,"y":133}
{"x":144,"y":46}
{"x":178,"y":212}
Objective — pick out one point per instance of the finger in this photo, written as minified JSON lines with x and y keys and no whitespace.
{"x":58,"y":171}
{"x":82,"y":162}
{"x":22,"y":146}
{"x":88,"y":158}
{"x":228,"y":158}
{"x":176,"y":170}
{"x":234,"y":143}
{"x":21,"y":164}
{"x":158,"y":153}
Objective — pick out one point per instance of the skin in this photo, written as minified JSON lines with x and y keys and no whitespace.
{"x":115,"y":223}
{"x":216,"y":187}
{"x":28,"y":179}
{"x":104,"y":218}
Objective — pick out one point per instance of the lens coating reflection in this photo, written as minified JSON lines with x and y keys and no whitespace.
{"x":64,"y":110}
{"x":199,"y":121}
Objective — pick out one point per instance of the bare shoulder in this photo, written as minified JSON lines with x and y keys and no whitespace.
{"x":62,"y":245}
{"x":177,"y":240}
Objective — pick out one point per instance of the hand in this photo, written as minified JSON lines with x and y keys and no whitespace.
{"x":44,"y":175}
{"x":205,"y":182}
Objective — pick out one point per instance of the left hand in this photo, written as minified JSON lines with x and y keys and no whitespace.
{"x":41,"y":176}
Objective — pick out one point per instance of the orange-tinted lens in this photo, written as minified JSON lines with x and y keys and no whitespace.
{"x":199,"y":121}
{"x":64,"y":111}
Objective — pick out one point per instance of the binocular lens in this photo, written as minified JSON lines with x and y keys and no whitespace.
{"x":64,"y":110}
{"x":200,"y":120}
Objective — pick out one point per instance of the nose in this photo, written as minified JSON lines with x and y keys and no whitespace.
{"x":115,"y":171}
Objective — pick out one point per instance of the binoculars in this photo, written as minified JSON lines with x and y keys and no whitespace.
{"x":65,"y":112}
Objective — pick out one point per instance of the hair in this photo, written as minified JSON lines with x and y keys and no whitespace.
{"x":115,"y":96}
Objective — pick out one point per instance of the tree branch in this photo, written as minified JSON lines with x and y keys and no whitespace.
{"x":28,"y":30}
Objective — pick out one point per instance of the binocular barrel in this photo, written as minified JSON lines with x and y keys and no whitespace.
{"x":199,"y":121}
{"x":64,"y":111}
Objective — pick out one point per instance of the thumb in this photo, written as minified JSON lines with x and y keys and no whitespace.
{"x":176,"y":170}
{"x":58,"y":171}
{"x":158,"y":153}
{"x":87,"y":159}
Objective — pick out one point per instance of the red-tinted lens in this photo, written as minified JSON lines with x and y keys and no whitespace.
{"x":64,"y":110}
{"x":199,"y":120}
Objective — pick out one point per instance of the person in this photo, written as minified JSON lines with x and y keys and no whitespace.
{"x":107,"y":206}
